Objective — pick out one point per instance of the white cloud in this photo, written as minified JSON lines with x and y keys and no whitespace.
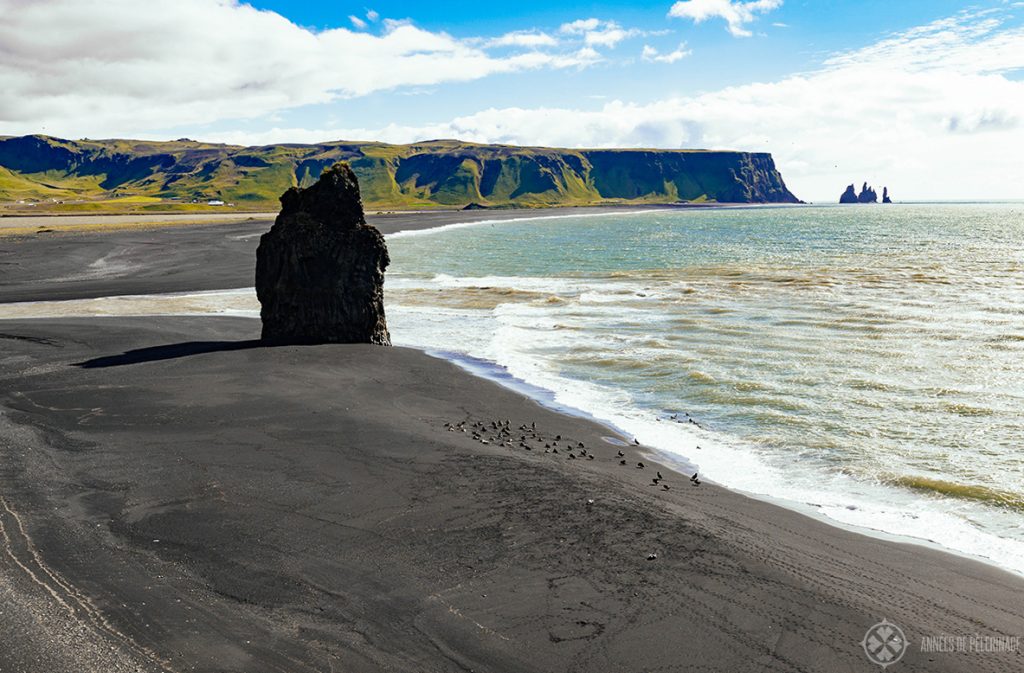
{"x":580,"y":26}
{"x":523,"y":38}
{"x":653,"y":55}
{"x":929,"y":112}
{"x":372,"y":15}
{"x":120,"y":67}
{"x":357,"y":22}
{"x":597,"y":33}
{"x":735,"y":13}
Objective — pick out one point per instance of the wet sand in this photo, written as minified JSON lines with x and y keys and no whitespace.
{"x":176,"y":497}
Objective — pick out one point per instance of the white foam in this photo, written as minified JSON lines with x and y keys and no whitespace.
{"x":523,"y":338}
{"x":529,"y":218}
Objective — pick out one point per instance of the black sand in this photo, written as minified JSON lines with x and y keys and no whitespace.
{"x":174,"y":497}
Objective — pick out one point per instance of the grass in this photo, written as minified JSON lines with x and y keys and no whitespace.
{"x":138,"y":176}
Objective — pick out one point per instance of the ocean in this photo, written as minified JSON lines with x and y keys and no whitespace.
{"x":865,"y":363}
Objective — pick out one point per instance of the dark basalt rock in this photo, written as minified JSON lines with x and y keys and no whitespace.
{"x":867,"y":195}
{"x":320,"y":268}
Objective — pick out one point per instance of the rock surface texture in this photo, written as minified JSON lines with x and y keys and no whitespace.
{"x":320,"y":268}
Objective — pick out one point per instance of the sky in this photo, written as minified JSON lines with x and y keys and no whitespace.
{"x":923,"y":96}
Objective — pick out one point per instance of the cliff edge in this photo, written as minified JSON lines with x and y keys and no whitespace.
{"x":440,"y":173}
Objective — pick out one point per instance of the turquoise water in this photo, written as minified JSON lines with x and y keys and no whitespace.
{"x":867,"y":362}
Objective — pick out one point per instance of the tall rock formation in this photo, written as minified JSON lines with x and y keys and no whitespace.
{"x":867,"y":195}
{"x":849,"y":196}
{"x":320,"y":268}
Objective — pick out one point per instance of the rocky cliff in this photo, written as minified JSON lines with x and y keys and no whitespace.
{"x":320,"y":268}
{"x":442,"y":173}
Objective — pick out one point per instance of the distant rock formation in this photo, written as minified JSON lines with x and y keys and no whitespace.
{"x":885,"y":195}
{"x":320,"y":268}
{"x":867,"y":195}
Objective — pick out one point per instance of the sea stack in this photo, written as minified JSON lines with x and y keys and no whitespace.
{"x":868,"y":194}
{"x":320,"y":268}
{"x":885,"y":195}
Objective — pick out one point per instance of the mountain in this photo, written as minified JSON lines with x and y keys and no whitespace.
{"x":185,"y":174}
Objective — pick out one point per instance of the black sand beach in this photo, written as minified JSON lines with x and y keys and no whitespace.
{"x":175,"y":497}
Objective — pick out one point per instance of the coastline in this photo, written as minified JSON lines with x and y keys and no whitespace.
{"x":299,"y":495}
{"x":793,"y":578}
{"x":233,"y":268}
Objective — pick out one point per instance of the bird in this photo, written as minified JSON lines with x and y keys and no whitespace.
{"x":636,"y":441}
{"x":655,"y":481}
{"x":693,"y":477}
{"x":572,"y":455}
{"x":640,"y":465}
{"x":579,"y":444}
{"x":621,"y":454}
{"x":665,"y":486}
{"x":622,"y":462}
{"x":659,"y":476}
{"x":558,"y":437}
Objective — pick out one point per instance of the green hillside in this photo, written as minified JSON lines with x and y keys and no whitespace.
{"x":87,"y":175}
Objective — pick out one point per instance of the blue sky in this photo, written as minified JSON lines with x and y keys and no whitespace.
{"x":925,"y":96}
{"x":795,"y":37}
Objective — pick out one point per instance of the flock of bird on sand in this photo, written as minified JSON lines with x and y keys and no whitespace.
{"x":501,"y":433}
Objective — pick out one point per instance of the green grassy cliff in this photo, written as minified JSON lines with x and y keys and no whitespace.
{"x":184,"y":174}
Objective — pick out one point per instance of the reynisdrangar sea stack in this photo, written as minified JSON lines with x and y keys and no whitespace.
{"x":320,"y":268}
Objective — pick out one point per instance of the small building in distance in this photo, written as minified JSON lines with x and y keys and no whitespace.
{"x":215,"y":202}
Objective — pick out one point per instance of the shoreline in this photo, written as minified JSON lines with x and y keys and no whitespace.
{"x":682,"y":465}
{"x":298,"y":508}
{"x":499,"y":374}
{"x":302,"y":469}
{"x":443,"y":221}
